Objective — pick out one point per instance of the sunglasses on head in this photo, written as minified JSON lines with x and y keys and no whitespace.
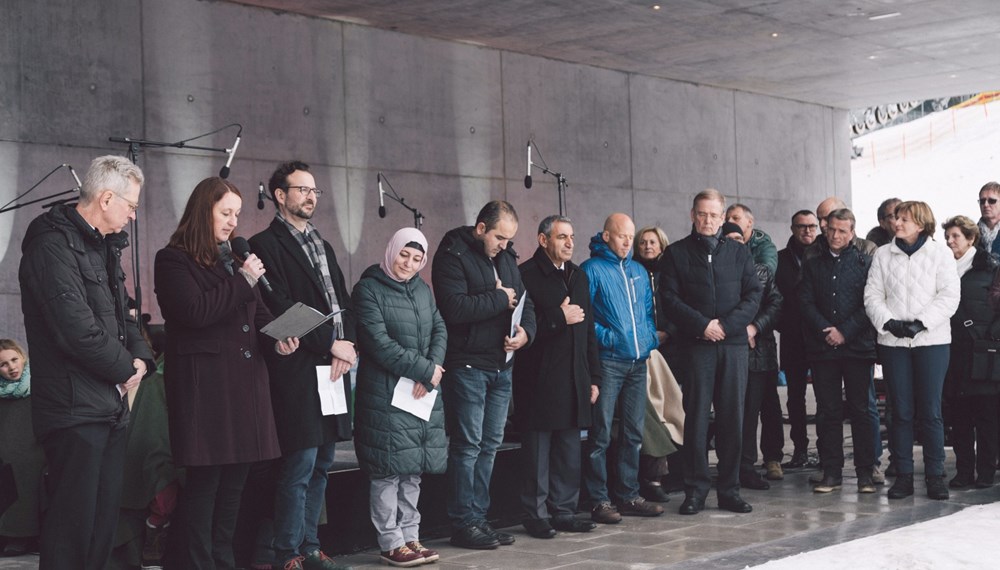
{"x":991,"y":201}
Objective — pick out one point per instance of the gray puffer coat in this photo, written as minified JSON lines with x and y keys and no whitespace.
{"x":400,"y":334}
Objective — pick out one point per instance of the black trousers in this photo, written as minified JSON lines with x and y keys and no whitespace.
{"x":758,"y":386}
{"x":551,"y":468}
{"x":975,"y":421}
{"x":716,"y":375}
{"x":855,"y":375}
{"x":203,"y":525}
{"x":86,"y":465}
{"x":796,"y":376}
{"x":772,"y":430}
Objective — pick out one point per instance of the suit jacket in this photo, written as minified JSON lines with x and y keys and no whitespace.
{"x":218,"y":402}
{"x":297,"y":411}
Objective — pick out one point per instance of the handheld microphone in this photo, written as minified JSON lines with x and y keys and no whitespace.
{"x":527,"y":178}
{"x":381,"y":197}
{"x":242,"y":248}
{"x":79,"y":185}
{"x":224,"y":171}
{"x":260,"y":196}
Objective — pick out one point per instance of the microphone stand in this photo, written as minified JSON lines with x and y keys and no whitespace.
{"x":134,"y":146}
{"x":561,"y":183}
{"x":418,"y":218}
{"x":9,"y":208}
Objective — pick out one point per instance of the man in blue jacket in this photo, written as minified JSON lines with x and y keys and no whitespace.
{"x":710,"y":291}
{"x":623,"y":307}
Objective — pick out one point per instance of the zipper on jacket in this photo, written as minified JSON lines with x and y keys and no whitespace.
{"x":630,"y":293}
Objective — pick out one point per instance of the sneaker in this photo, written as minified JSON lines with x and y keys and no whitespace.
{"x":936,"y":489}
{"x":816,"y":477}
{"x":17,"y":546}
{"x":505,"y":539}
{"x":828,"y":484}
{"x":798,"y":460}
{"x":902,"y":487}
{"x":878,"y":477}
{"x":605,"y":513}
{"x":865,"y":484}
{"x":294,"y":563}
{"x":639,"y":507}
{"x":773,"y":471}
{"x":154,"y":546}
{"x":428,"y":554}
{"x":318,"y":560}
{"x":402,"y":557}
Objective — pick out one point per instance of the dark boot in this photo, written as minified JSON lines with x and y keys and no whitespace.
{"x":903,"y":487}
{"x":936,"y":489}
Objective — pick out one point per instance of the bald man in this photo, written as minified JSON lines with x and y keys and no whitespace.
{"x":622,"y":302}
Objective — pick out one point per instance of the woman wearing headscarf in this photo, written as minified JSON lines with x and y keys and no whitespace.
{"x":217,"y":387}
{"x":402,"y":338}
{"x":911,"y":293}
{"x":19,"y":523}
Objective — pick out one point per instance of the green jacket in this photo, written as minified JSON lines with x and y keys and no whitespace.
{"x":400,"y":334}
{"x":763,"y":250}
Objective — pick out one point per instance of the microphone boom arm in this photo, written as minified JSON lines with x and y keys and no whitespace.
{"x":418,"y":218}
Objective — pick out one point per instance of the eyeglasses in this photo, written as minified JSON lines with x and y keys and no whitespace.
{"x":805,"y":227}
{"x":305,"y":190}
{"x":133,"y":207}
{"x":707,"y":216}
{"x":992,"y":201}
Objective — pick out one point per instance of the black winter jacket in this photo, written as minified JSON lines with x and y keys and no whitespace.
{"x":832,"y":294}
{"x":764,"y":355}
{"x":974,"y":306}
{"x":474,"y":310}
{"x":697,"y":285}
{"x":81,"y":339}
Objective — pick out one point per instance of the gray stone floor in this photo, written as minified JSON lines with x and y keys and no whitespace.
{"x":787,"y":519}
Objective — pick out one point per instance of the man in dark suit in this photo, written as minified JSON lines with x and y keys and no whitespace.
{"x":302,"y":267}
{"x":556,"y":381}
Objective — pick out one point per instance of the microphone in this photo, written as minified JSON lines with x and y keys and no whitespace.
{"x":260,"y":196}
{"x":224,"y":171}
{"x":527,"y":178}
{"x":242,"y":249}
{"x":381,"y":197}
{"x":79,"y":185}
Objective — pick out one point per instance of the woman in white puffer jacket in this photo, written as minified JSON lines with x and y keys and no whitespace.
{"x":912,"y":291}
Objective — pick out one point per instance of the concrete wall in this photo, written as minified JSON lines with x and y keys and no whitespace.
{"x":447,"y":123}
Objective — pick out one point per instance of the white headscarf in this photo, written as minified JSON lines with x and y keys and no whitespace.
{"x":396,"y":245}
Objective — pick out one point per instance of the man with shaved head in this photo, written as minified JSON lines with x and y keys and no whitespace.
{"x":622,"y":302}
{"x":710,"y":292}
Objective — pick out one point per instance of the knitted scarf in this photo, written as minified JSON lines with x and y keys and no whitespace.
{"x":16,"y":389}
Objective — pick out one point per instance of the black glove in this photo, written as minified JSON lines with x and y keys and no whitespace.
{"x":911,"y":328}
{"x":895,"y":328}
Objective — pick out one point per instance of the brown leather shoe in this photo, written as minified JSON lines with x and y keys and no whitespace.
{"x":639,"y":507}
{"x":605,"y":513}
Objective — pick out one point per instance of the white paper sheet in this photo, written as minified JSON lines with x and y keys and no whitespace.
{"x":402,"y":398}
{"x":332,"y":398}
{"x":515,"y":320}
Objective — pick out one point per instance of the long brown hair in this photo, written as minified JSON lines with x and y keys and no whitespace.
{"x":195,"y":233}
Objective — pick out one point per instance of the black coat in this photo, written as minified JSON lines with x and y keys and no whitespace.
{"x":216,"y":381}
{"x":764,"y":355}
{"x":832,"y":294}
{"x":297,"y":410}
{"x":553,"y":376}
{"x":787,"y":279}
{"x":697,"y":285}
{"x":81,"y":339}
{"x":975,"y":306}
{"x":474,"y":310}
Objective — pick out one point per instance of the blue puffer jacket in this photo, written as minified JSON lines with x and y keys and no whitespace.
{"x":622,"y":303}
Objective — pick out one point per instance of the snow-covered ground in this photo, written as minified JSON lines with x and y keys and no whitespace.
{"x":942,"y":159}
{"x":967,"y":539}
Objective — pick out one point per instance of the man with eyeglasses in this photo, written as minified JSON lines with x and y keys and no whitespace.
{"x":302,"y":267}
{"x":805,"y":229}
{"x":885,"y":230}
{"x":86,"y":354}
{"x":710,"y":292}
{"x":989,"y":223}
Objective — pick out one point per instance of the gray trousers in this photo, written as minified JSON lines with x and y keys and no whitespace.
{"x":393,"y":504}
{"x":551,"y":484}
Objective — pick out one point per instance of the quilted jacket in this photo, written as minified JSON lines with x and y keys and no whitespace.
{"x":923,"y":286}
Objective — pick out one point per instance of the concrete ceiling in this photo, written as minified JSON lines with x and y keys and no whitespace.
{"x":841,"y":53}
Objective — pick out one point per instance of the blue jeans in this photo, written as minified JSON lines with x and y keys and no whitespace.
{"x":298,"y":500}
{"x":475,"y":405}
{"x":915,"y":377}
{"x":623,"y":385}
